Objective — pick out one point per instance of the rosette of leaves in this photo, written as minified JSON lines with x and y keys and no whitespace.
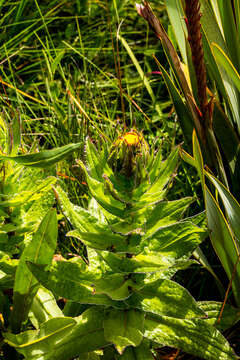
{"x":135,"y":242}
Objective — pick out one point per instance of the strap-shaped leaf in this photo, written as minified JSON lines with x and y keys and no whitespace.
{"x":224,"y":60}
{"x":44,"y":158}
{"x":223,"y":242}
{"x":231,"y":205}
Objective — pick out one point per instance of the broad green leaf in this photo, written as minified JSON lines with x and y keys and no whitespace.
{"x":105,"y":240}
{"x":96,"y":165}
{"x":223,"y":241}
{"x":40,"y":250}
{"x":43,"y":308}
{"x":156,"y":190}
{"x":165,"y":213}
{"x":44,"y":158}
{"x":8,"y":268}
{"x":71,"y":281}
{"x":222,"y":321}
{"x":154,"y":166}
{"x":31,"y":343}
{"x":29,"y":195}
{"x":62,"y":338}
{"x":141,"y":352}
{"x":38,"y":209}
{"x":175,"y":240}
{"x":123,"y":328}
{"x":79,"y":217}
{"x":104,"y":198}
{"x":194,"y":336}
{"x":166,"y":297}
{"x":137,"y":264}
{"x":118,"y":286}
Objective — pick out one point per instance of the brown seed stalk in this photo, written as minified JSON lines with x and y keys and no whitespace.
{"x":193,"y":15}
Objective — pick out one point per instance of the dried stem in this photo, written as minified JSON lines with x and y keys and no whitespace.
{"x":146,"y":12}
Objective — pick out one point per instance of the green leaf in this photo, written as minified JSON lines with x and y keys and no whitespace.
{"x":71,"y":281}
{"x":224,"y":60}
{"x":141,"y":73}
{"x":44,"y":158}
{"x":40,"y":250}
{"x":123,"y":328}
{"x":118,"y":286}
{"x":141,"y":352}
{"x":176,"y":14}
{"x":80,"y":218}
{"x":226,"y":10}
{"x":105,"y":240}
{"x":44,"y":307}
{"x":137,"y":264}
{"x":213,"y":31}
{"x":30,"y":195}
{"x":156,"y":191}
{"x":96,"y":165}
{"x":103,"y":197}
{"x":175,"y":240}
{"x":165,"y":213}
{"x":223,"y":241}
{"x":226,"y":135}
{"x":62,"y":338}
{"x":222,"y":321}
{"x":166,"y":297}
{"x":231,"y":205}
{"x":8,"y":268}
{"x":184,"y":116}
{"x":194,"y":336}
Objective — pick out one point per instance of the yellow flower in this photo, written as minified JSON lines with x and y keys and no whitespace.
{"x":131,"y":138}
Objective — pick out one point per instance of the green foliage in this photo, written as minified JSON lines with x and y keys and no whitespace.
{"x":224,"y":228}
{"x":217,"y":127}
{"x":125,"y":277}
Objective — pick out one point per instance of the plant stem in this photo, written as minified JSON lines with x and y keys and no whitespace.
{"x":193,"y":16}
